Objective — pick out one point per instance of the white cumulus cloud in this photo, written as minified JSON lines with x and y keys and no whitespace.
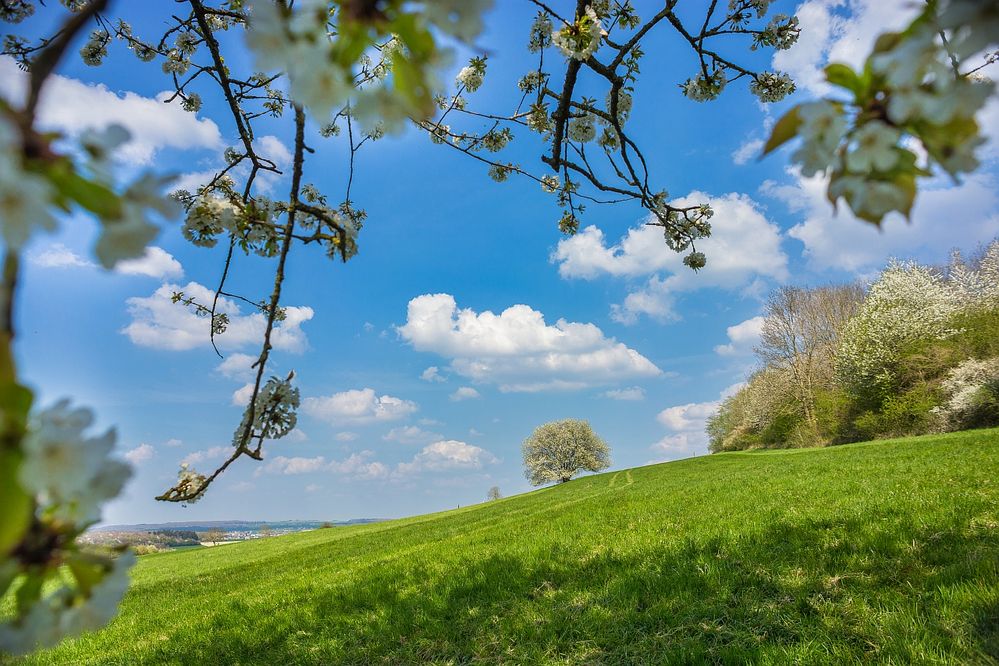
{"x":464,"y":393}
{"x":744,"y":252}
{"x":358,"y":406}
{"x":237,"y":366}
{"x":155,"y":262}
{"x":160,"y":323}
{"x":633,"y":393}
{"x":447,"y":454}
{"x":686,"y":424}
{"x":140,"y":454}
{"x":517,"y":349}
{"x":837,"y":240}
{"x":410,"y":435}
{"x":71,"y":106}
{"x":433,"y":375}
{"x":357,"y":466}
{"x":742,"y":337}
{"x":59,"y":256}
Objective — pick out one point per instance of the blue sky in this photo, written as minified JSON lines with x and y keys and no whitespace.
{"x":457,"y":273}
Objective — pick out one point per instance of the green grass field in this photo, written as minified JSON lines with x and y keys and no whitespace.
{"x":883,"y":552}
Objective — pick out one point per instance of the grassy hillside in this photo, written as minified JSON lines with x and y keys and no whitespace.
{"x":884,"y":551}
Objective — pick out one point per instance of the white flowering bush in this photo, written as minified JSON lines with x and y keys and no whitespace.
{"x":919,"y":87}
{"x":972,"y":390}
{"x":905,"y":304}
{"x":558,"y":451}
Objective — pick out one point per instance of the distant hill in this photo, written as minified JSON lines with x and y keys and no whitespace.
{"x":233,"y":525}
{"x":885,"y":552}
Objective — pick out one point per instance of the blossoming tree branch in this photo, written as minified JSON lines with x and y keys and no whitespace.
{"x":359,"y":69}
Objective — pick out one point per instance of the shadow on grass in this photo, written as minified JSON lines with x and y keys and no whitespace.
{"x":816,"y":592}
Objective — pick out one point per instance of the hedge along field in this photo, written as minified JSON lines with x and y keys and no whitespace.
{"x":885,"y":552}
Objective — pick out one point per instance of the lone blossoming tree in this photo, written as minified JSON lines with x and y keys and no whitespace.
{"x":360,"y":69}
{"x":560,"y":450}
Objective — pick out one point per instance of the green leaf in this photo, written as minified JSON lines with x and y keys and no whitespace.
{"x":843,"y":76}
{"x":907,"y":183}
{"x":785,"y":130}
{"x":96,"y":198}
{"x":29,"y":592}
{"x":87,"y":571}
{"x":411,"y":85}
{"x":15,"y":503}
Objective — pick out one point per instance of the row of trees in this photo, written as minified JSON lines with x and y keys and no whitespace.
{"x":915,"y":352}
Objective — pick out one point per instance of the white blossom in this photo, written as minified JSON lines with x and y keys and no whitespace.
{"x":460,"y":18}
{"x":266,"y":34}
{"x":870,"y":198}
{"x":541,"y":33}
{"x":102,"y":605}
{"x":471,"y":77}
{"x":192,"y":102}
{"x":274,"y":412}
{"x":624,"y":104}
{"x":187,"y":42}
{"x":550,"y":183}
{"x":772,"y":86}
{"x":822,"y":128}
{"x":176,"y":63}
{"x":68,"y":472}
{"x":96,"y":48}
{"x":537,"y":118}
{"x":703,"y":88}
{"x":963,"y":386}
{"x":39,"y":627}
{"x":128,"y":236}
{"x":876,"y":144}
{"x":582,"y":128}
{"x":581,"y":39}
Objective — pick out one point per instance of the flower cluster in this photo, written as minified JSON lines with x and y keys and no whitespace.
{"x":581,"y":39}
{"x":25,"y":195}
{"x":684,"y":227}
{"x":472,"y":75}
{"x":582,"y":128}
{"x":66,"y":477}
{"x":910,"y":94}
{"x":741,"y":11}
{"x":273,"y":413}
{"x":772,"y":86}
{"x":500,"y":172}
{"x":96,"y":48}
{"x":29,"y":189}
{"x":532,"y":81}
{"x":313,"y":52}
{"x":703,"y":88}
{"x":540,"y":36}
{"x":70,"y":475}
{"x":538,"y":119}
{"x":781,"y":33}
{"x":190,"y":483}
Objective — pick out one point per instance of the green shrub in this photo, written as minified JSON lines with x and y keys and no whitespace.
{"x":906,"y":414}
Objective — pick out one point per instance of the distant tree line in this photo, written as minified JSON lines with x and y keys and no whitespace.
{"x":915,"y":352}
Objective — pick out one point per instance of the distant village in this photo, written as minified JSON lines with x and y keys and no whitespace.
{"x":147,"y":539}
